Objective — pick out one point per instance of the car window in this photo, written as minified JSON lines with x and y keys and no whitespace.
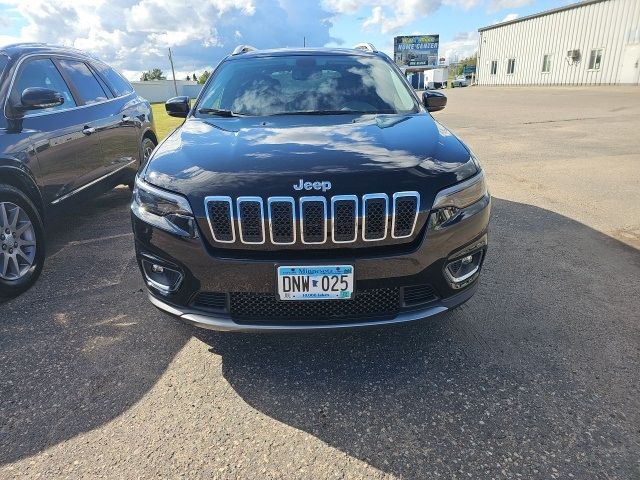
{"x":88,"y":86}
{"x":103,"y":84}
{"x":308,"y":84}
{"x":118,"y":84}
{"x":44,"y":74}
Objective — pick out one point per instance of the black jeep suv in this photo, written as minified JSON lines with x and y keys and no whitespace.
{"x":309,"y":189}
{"x":70,"y":128}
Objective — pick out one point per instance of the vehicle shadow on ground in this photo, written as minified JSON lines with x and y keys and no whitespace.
{"x":538,"y":374}
{"x":539,"y":370}
{"x":83,"y":345}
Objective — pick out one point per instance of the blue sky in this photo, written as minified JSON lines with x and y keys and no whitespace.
{"x":455,"y":24}
{"x":134,"y":35}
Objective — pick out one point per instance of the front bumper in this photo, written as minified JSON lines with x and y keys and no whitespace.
{"x":206,"y":271}
{"x":225,"y":323}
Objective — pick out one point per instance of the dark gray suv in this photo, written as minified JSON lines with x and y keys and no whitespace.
{"x":71,"y":127}
{"x":309,"y":189}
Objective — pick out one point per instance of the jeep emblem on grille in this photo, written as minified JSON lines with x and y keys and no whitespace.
{"x":302,"y":185}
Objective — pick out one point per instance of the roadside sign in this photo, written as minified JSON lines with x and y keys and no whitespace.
{"x":416,"y":50}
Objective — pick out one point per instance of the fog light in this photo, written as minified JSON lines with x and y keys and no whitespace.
{"x":161,"y":277}
{"x":461,"y":271}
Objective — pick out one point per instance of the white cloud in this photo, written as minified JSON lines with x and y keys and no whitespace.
{"x":509,"y":17}
{"x":496,"y":5}
{"x":389,"y":15}
{"x":464,"y":4}
{"x":463,"y":45}
{"x":134,"y":35}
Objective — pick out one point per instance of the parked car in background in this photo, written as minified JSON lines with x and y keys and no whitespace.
{"x":460,"y":81}
{"x":309,"y":189}
{"x":71,"y":127}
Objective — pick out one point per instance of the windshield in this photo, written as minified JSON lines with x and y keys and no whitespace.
{"x":304,"y":84}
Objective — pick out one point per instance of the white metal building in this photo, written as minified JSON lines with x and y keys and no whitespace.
{"x":594,"y":42}
{"x":162,"y":90}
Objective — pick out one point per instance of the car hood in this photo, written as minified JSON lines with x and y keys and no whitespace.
{"x":266,"y":156}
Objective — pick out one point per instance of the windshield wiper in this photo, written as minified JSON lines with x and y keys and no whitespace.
{"x":218,"y":112}
{"x":322,"y":112}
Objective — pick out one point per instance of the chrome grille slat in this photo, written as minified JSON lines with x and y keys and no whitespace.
{"x":344,"y":218}
{"x":375,"y":216}
{"x":313,"y":220}
{"x":219,"y":212}
{"x":309,"y":220}
{"x":282,"y":220}
{"x":251,"y":220}
{"x":405,"y":214}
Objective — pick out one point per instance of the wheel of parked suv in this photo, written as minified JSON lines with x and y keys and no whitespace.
{"x":147,"y":148}
{"x":22,"y":242}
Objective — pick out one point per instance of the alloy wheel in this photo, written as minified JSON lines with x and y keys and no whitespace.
{"x":147,"y":149}
{"x":17,"y":242}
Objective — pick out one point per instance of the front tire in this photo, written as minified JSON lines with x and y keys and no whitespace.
{"x":22,"y":242}
{"x":147,"y":146}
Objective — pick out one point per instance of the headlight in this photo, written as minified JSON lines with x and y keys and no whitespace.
{"x":164,"y":210}
{"x":450,"y":201}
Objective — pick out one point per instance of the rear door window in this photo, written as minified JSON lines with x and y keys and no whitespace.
{"x":85,"y":82}
{"x":118,"y":84}
{"x":44,"y":74}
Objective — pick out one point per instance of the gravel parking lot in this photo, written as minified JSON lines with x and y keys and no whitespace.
{"x":538,"y":376}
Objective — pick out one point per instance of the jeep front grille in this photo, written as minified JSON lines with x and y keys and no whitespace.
{"x":312,"y":220}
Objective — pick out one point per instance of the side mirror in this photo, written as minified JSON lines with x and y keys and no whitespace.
{"x":433,"y":101}
{"x":35,"y":98}
{"x":178,"y":107}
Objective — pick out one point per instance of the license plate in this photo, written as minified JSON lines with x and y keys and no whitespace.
{"x":325,"y":282}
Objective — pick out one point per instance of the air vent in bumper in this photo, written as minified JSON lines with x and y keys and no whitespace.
{"x":266,"y":308}
{"x":418,"y":295}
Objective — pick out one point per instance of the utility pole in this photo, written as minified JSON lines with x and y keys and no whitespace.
{"x":304,"y":41}
{"x":175,"y":86}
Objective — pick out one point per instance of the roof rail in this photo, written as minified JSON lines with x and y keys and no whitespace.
{"x":365,"y":47}
{"x":243,"y":49}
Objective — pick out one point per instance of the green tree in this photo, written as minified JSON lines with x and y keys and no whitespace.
{"x":465,"y":62}
{"x":154,"y":74}
{"x":204,"y":77}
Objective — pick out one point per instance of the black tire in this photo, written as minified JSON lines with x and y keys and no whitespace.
{"x":147,"y":147}
{"x":146,"y":144}
{"x":14,"y":287}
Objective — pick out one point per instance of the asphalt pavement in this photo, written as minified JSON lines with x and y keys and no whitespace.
{"x":537,"y":376}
